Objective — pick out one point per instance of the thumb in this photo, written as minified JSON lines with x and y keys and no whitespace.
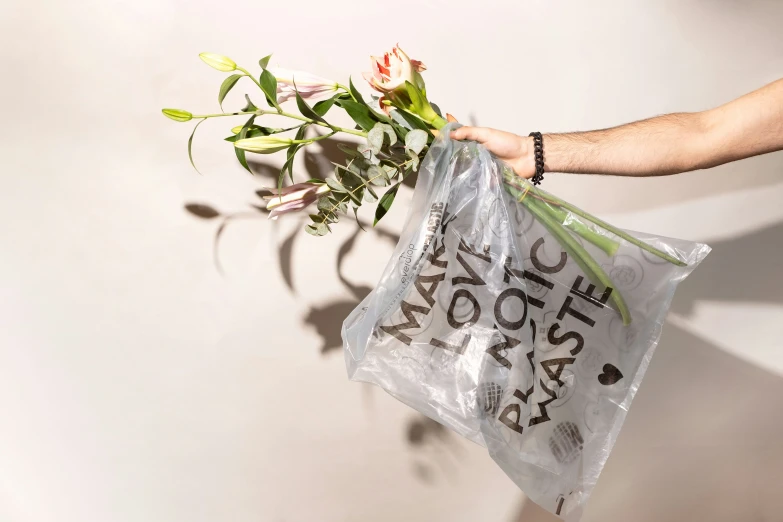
{"x":478,"y":134}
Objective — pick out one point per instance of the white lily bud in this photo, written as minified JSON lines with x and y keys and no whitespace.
{"x":177,"y":114}
{"x":219,"y":62}
{"x":264,"y":144}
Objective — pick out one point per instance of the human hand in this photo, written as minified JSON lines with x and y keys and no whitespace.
{"x":516,"y":151}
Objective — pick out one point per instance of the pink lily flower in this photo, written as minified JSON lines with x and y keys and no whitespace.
{"x":308,"y":85}
{"x":392,"y":70}
{"x":294,"y":198}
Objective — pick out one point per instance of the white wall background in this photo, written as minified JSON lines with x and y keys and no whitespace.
{"x":139,"y":384}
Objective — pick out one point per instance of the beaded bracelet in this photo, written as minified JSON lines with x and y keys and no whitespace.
{"x":538,"y":144}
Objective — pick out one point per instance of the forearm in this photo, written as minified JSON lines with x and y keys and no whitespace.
{"x":674,"y":143}
{"x":659,"y":146}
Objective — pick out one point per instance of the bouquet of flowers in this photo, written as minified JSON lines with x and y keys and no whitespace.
{"x":484,"y":255}
{"x":398,"y":125}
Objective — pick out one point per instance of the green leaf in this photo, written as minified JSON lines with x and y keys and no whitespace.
{"x":253,"y":132}
{"x":415,"y":141}
{"x":264,"y":62}
{"x":324,"y":205}
{"x":414,"y":121}
{"x":385,"y":204}
{"x":417,"y":99}
{"x":226,"y":86}
{"x":323,"y":106}
{"x":177,"y":115}
{"x":269,"y":86}
{"x":369,"y":195}
{"x":414,"y":162}
{"x":322,"y":228}
{"x":357,"y":96}
{"x":190,"y":144}
{"x":355,"y":196}
{"x":305,"y":109}
{"x":291,"y":154}
{"x":336,"y":186}
{"x":250,"y":107}
{"x":399,"y":129}
{"x":375,"y":138}
{"x":389,"y":130}
{"x":358,"y":113}
{"x":350,"y":151}
{"x":242,"y":135}
{"x":317,"y":229}
{"x":377,"y":176}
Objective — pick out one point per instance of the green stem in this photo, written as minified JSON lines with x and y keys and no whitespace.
{"x":439,"y":122}
{"x":262,"y":112}
{"x":614,"y":230}
{"x":251,"y":77}
{"x":588,"y":265}
{"x":607,"y":245}
{"x":318,"y":138}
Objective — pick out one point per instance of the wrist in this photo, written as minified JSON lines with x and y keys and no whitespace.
{"x":527,"y":160}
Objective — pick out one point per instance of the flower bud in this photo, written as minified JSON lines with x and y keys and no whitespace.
{"x":219,"y":62}
{"x":178,"y":114}
{"x":264,"y":144}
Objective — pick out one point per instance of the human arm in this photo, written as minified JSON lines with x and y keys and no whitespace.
{"x":663,"y":145}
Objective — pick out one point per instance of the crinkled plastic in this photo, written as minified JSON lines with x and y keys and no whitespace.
{"x":485,"y":321}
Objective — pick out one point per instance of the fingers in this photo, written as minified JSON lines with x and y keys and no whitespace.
{"x":478,"y":134}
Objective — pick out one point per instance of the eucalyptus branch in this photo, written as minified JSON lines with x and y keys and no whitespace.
{"x":348,"y":195}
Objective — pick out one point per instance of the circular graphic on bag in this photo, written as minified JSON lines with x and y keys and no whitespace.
{"x":467,"y":227}
{"x":521,"y":218}
{"x":542,"y":331}
{"x":533,"y":287}
{"x":496,"y":218}
{"x":442,"y":360}
{"x":565,"y":391}
{"x":590,"y":360}
{"x":625,"y":272}
{"x":566,"y":442}
{"x":489,"y":397}
{"x":599,"y":414}
{"x":622,"y":336}
{"x":414,"y":368}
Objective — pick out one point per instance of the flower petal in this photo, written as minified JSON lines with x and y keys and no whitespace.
{"x":291,"y":206}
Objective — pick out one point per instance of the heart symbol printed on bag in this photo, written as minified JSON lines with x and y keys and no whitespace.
{"x":611,"y":375}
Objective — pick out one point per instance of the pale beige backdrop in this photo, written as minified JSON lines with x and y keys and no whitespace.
{"x":138,"y":384}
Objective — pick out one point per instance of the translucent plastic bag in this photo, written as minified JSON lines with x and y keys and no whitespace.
{"x":487,"y":320}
